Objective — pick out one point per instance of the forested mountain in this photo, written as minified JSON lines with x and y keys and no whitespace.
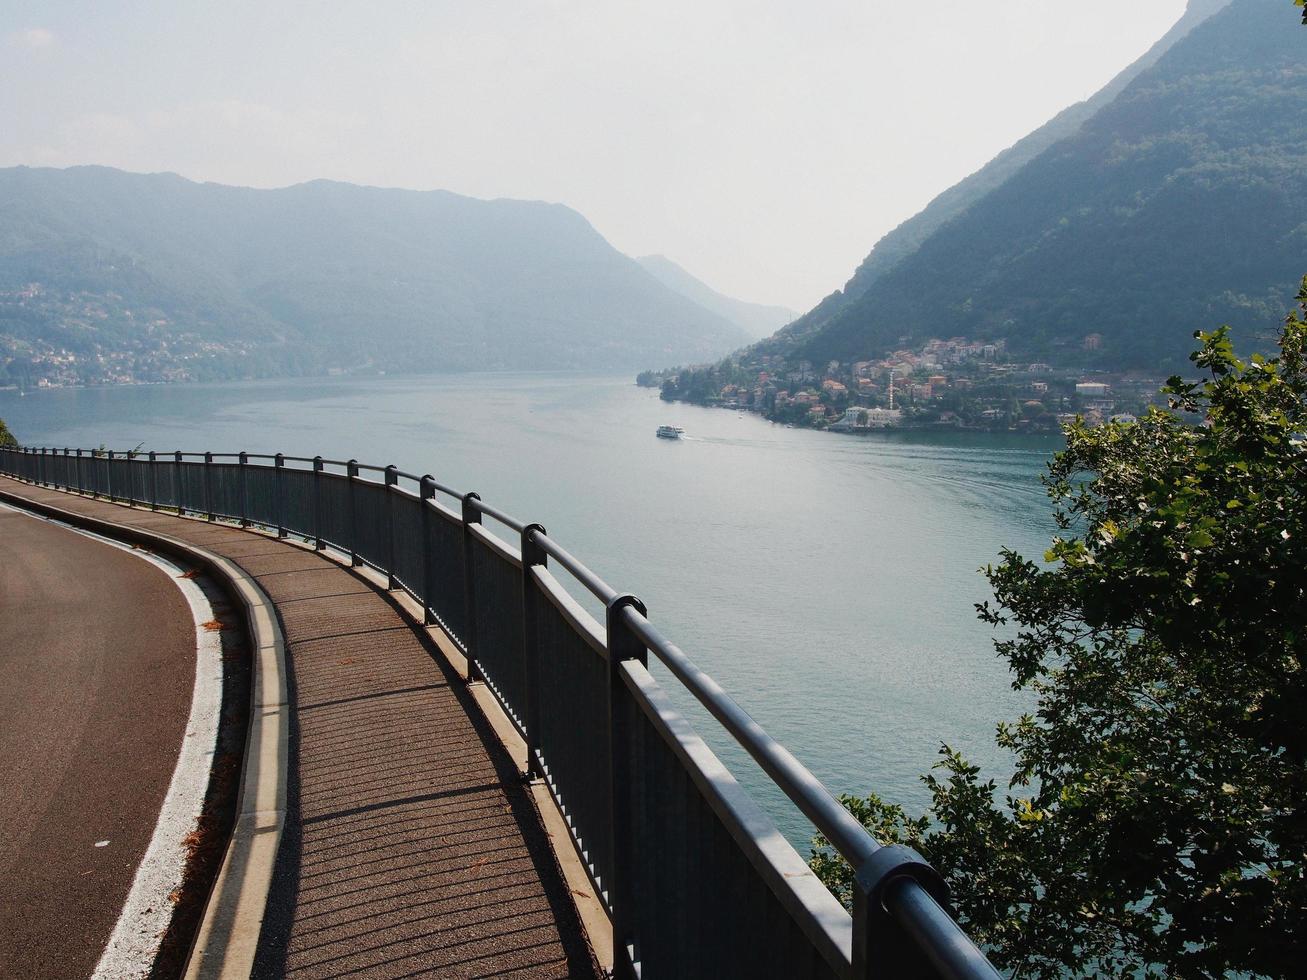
{"x":155,"y":277}
{"x":754,"y":318}
{"x":1165,"y":204}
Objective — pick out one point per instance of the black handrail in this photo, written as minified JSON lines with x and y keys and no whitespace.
{"x":900,"y":919}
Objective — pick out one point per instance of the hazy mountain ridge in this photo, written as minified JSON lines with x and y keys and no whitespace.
{"x":326,"y":275}
{"x":757,"y":319}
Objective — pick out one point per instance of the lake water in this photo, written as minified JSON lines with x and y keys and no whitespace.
{"x":826,"y":581}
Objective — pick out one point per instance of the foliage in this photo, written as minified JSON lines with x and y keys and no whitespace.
{"x":1158,"y":811}
{"x":6,"y":437}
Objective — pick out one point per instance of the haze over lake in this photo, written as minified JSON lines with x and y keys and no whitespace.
{"x":826,"y":581}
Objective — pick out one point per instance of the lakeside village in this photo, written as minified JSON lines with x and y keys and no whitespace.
{"x":956,"y":383}
{"x":64,"y":339}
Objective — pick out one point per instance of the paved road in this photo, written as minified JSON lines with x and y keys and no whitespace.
{"x":411,"y":846}
{"x":97,"y":663}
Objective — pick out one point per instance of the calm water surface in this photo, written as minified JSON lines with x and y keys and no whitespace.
{"x":826,"y":581}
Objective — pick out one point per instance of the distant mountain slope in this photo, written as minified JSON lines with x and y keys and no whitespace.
{"x":755,"y":319}
{"x":1175,"y":206}
{"x":908,"y":237}
{"x":326,"y":275}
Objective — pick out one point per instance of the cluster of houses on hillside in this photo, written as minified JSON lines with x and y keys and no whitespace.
{"x":82,"y":338}
{"x":955,"y":382}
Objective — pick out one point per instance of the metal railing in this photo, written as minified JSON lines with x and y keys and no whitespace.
{"x":696,"y":878}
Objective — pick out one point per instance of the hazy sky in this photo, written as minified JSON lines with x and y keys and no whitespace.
{"x":763,"y":145}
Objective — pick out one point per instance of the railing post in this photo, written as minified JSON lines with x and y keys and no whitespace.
{"x":208,"y":485}
{"x":279,"y":489}
{"x":154,"y":482}
{"x":68,"y":454}
{"x":532,"y":556}
{"x":317,"y":503}
{"x":881,"y":947}
{"x":81,"y":473}
{"x":392,"y":481}
{"x":426,"y":491}
{"x":177,"y":482}
{"x":108,"y":477}
{"x":41,"y":468}
{"x":470,"y":516}
{"x":352,"y":475}
{"x":623,"y":646}
{"x":131,"y":479}
{"x":245,"y":476}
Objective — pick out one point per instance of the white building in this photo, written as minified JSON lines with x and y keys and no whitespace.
{"x":875,"y":418}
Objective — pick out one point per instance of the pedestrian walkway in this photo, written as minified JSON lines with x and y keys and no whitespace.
{"x":411,"y":845}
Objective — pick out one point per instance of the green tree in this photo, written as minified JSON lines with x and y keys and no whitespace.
{"x":1156,"y":822}
{"x":6,"y":437}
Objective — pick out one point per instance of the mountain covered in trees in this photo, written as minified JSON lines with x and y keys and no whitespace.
{"x":1169,"y":201}
{"x":153,"y":277}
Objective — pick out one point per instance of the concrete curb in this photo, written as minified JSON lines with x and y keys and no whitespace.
{"x":228,"y":936}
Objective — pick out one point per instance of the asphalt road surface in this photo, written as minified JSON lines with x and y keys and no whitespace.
{"x":97,"y":664}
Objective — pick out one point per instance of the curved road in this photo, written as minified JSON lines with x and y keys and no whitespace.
{"x":97,"y":664}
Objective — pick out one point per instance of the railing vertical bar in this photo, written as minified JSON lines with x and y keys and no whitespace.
{"x":392,"y":484}
{"x":532,"y":556}
{"x":426,"y":492}
{"x":154,"y":483}
{"x":208,"y":485}
{"x":623,"y":645}
{"x":177,"y":482}
{"x":317,"y":503}
{"x":352,"y":475}
{"x":245,"y":479}
{"x":881,"y":947}
{"x":279,"y":492}
{"x":471,"y":515}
